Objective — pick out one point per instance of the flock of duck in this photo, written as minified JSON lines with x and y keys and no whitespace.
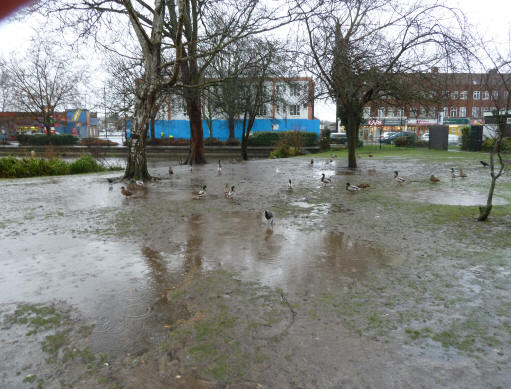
{"x":229,"y":190}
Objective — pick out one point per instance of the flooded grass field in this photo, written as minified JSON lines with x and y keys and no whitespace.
{"x":396,"y":285}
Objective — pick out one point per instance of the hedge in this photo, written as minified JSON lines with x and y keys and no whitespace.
{"x":272,"y":138}
{"x":42,"y":140}
{"x":12,"y":167}
{"x":505,"y":145}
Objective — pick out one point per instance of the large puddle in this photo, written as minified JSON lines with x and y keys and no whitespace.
{"x":119,"y":286}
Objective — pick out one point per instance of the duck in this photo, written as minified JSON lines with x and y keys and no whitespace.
{"x":230,"y":194}
{"x":370,"y":155}
{"x":125,"y":192}
{"x":219,"y":166}
{"x":364,"y":185}
{"x":453,"y":173}
{"x":289,"y":185}
{"x":139,"y":184}
{"x":191,"y":166}
{"x":226,"y":189}
{"x":170,"y":170}
{"x":463,"y":174}
{"x":485,"y":164}
{"x":351,"y":188}
{"x":202,"y":192}
{"x":268,"y":215}
{"x":312,"y":162}
{"x":325,"y":180}
{"x":398,"y":179}
{"x":434,"y":179}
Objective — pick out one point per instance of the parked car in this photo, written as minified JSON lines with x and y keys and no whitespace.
{"x":402,"y":134}
{"x":425,"y":136}
{"x":385,"y":135}
{"x":338,"y":138}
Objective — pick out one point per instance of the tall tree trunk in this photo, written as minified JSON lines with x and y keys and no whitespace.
{"x":351,"y":123}
{"x":136,"y":167}
{"x":196,"y":153}
{"x":244,"y":146}
{"x":484,"y":212}
{"x":231,"y":128}
{"x":152,"y":127}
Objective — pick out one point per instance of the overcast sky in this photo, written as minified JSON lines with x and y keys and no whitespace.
{"x":491,"y":17}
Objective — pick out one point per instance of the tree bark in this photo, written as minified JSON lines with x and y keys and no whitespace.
{"x":351,"y":123}
{"x":231,"y":128}
{"x":196,"y":153}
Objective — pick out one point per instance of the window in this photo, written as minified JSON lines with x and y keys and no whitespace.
{"x":400,"y":112}
{"x":261,"y":111}
{"x":367,"y":112}
{"x":463,"y":95}
{"x":495,"y":94}
{"x":295,"y":90}
{"x":486,"y":109}
{"x":446,"y":111}
{"x":281,"y":89}
{"x":390,"y":112}
{"x":463,"y":112}
{"x":475,"y":112}
{"x":454,"y":112}
{"x":486,"y":95}
{"x":381,"y":112}
{"x":506,"y":94}
{"x":454,"y":95}
{"x":294,"y":110}
{"x":476,"y":95}
{"x":423,"y":112}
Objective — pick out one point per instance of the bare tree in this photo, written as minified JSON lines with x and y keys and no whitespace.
{"x":5,"y":90}
{"x":42,"y":82}
{"x":356,"y":48}
{"x":498,"y":83}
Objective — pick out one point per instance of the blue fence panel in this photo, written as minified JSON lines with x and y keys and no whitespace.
{"x":181,"y":128}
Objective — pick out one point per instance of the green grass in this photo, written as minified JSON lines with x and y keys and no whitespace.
{"x":12,"y":167}
{"x":37,"y":317}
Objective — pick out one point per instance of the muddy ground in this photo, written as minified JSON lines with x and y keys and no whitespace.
{"x":395,"y":286}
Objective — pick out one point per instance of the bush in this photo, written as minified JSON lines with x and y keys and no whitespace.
{"x":264,"y":138}
{"x":11,"y":167}
{"x":402,"y":141}
{"x":283,"y":151}
{"x":505,"y":145}
{"x":324,"y":140}
{"x":232,"y":142}
{"x":296,"y":139}
{"x":421,"y":143}
{"x":211,"y":141}
{"x":42,"y":140}
{"x":96,"y":142}
{"x":168,"y":142}
{"x":465,"y":138}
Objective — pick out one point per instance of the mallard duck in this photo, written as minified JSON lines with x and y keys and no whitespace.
{"x":398,"y":179}
{"x":125,"y":192}
{"x":463,"y":174}
{"x":433,"y":179}
{"x":325,"y":180}
{"x":364,"y":185}
{"x":453,"y":173}
{"x":268,"y":216}
{"x":202,"y":193}
{"x":226,"y":189}
{"x":170,"y":170}
{"x":351,"y":188}
{"x":230,"y":194}
{"x":485,"y":164}
{"x":289,"y":185}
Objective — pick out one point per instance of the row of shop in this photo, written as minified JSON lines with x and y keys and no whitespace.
{"x":376,"y":126}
